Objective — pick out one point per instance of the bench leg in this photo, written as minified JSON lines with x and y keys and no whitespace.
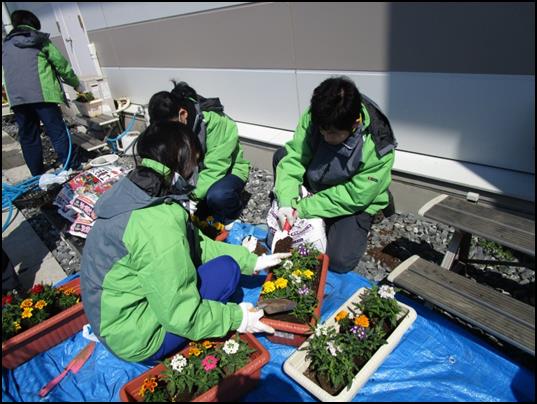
{"x":452,"y":250}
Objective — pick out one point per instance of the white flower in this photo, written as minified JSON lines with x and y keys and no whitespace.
{"x":296,"y":279}
{"x":387,"y":292}
{"x":231,"y":347}
{"x":321,"y":330}
{"x":178,"y":363}
{"x":287,"y":264}
{"x":334,"y":350}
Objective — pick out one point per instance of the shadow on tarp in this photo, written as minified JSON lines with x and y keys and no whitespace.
{"x":437,"y":360}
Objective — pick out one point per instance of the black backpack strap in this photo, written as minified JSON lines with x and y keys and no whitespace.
{"x":379,"y":127}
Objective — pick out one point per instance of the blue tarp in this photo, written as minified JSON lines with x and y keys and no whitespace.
{"x":437,"y":360}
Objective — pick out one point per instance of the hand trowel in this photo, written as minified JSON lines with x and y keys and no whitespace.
{"x":273,"y":306}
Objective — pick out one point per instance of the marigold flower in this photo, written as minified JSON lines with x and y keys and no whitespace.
{"x":209,"y":363}
{"x":341,"y":315}
{"x":362,"y":321}
{"x":27,"y":312}
{"x":297,"y":272}
{"x":281,"y":283}
{"x":27,"y":303}
{"x":207,"y":344}
{"x":194,"y":351}
{"x":17,"y":325}
{"x":268,"y":287}
{"x":40,"y":304}
{"x":219,"y":226}
{"x":308,"y":274}
{"x":149,"y":384}
{"x":68,"y":292}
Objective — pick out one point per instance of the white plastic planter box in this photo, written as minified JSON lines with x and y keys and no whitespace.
{"x":90,"y":109}
{"x":297,"y":364}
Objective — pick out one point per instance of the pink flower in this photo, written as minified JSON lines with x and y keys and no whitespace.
{"x":209,"y":363}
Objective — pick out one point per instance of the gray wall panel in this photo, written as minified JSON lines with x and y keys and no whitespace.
{"x":251,"y":36}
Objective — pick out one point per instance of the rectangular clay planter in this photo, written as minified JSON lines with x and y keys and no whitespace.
{"x":294,"y":334}
{"x":297,"y":364}
{"x":230,"y":388}
{"x":43,"y":336}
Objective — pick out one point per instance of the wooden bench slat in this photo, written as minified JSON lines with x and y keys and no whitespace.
{"x":452,"y":293}
{"x":484,"y":224}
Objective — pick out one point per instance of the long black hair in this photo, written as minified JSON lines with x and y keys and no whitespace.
{"x":25,"y":17}
{"x":172,"y":144}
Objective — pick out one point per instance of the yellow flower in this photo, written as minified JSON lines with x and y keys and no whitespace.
{"x":281,"y":283}
{"x":297,"y":273}
{"x":68,"y":292}
{"x":268,"y":287}
{"x":207,"y":344}
{"x":40,"y":304}
{"x":341,"y":315}
{"x":362,"y":321}
{"x":27,"y":313}
{"x":308,"y":274}
{"x":17,"y":325}
{"x":27,"y":303}
{"x":194,"y":351}
{"x":149,"y":384}
{"x":219,"y":226}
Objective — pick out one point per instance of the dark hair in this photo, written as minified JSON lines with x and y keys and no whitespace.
{"x":183,"y":93}
{"x":25,"y":17}
{"x":163,"y":107}
{"x":336,"y":103}
{"x":172,"y":144}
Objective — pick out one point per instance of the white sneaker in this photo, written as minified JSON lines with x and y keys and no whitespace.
{"x":230,"y":225}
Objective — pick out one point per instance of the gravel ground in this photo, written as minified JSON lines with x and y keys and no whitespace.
{"x":391,"y":240}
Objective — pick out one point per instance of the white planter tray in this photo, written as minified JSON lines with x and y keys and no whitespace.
{"x":296,"y":364}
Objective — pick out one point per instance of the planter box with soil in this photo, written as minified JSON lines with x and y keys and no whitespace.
{"x":298,"y":365}
{"x":230,"y":388}
{"x":43,"y":336}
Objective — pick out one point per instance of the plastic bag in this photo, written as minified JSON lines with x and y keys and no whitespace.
{"x":311,"y":231}
{"x":48,"y":179}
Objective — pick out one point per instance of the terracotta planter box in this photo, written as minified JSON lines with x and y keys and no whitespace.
{"x":297,"y":364}
{"x":230,"y":388}
{"x":292,"y":333}
{"x":43,"y":336}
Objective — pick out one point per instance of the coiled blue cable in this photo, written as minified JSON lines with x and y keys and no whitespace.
{"x":11,"y":192}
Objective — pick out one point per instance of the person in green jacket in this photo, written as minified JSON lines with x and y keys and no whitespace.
{"x":31,"y":68}
{"x":342,"y":151}
{"x":150,"y":280}
{"x":224,"y":171}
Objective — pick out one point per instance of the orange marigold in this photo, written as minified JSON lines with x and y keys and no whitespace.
{"x":362,"y":321}
{"x":207,"y":344}
{"x":341,"y":315}
{"x":149,"y":384}
{"x":194,"y":351}
{"x":27,"y":312}
{"x":27,"y":303}
{"x":40,"y":304}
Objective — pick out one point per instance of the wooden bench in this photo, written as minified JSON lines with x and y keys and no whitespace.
{"x":470,"y":218}
{"x":500,"y":315}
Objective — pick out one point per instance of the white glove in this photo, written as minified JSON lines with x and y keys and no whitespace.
{"x":191,"y":206}
{"x":286,"y":213}
{"x":250,"y":242}
{"x":267,"y":261}
{"x":250,"y":320}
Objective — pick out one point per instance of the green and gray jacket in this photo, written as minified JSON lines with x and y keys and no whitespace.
{"x":223,"y":153}
{"x":138,"y":278}
{"x":358,"y":172}
{"x":31,"y":65}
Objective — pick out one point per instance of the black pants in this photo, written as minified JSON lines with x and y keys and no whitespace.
{"x":346,"y":235}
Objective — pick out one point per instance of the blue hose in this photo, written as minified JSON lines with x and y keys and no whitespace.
{"x":11,"y":192}
{"x":112,"y":140}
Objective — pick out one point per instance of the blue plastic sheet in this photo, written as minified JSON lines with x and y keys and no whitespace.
{"x":436,"y":360}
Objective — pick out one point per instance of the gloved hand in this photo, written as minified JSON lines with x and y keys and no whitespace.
{"x":191,"y":206}
{"x":267,"y":261}
{"x":250,"y":320}
{"x":250,"y":242}
{"x":286,"y":213}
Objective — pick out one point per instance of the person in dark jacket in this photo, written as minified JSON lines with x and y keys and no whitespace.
{"x":31,"y":67}
{"x":342,"y":151}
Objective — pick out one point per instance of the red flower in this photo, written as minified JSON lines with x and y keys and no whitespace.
{"x":7,"y":300}
{"x":37,"y":289}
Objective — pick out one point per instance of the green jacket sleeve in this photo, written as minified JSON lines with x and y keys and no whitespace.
{"x":354,"y":195}
{"x":61,"y":64}
{"x":212,"y":249}
{"x":222,"y":140}
{"x":170,"y":286}
{"x":290,"y":170}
